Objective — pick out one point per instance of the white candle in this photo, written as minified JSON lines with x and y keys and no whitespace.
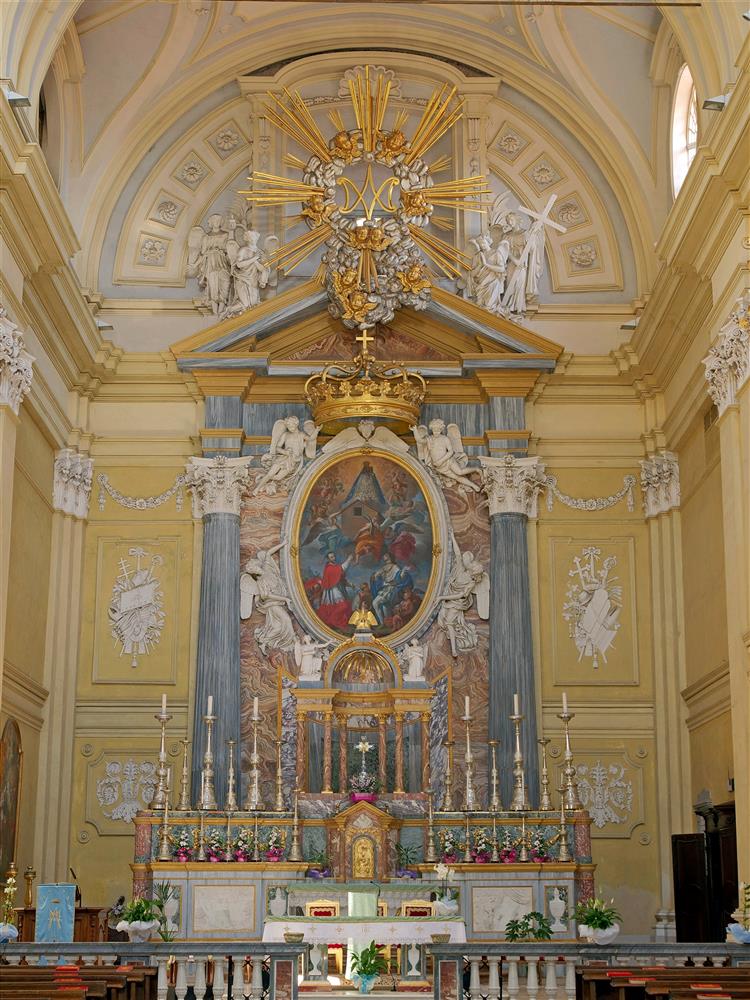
{"x":210,"y":709}
{"x":255,"y":707}
{"x":163,"y":704}
{"x":515,"y":704}
{"x":467,"y":713}
{"x":565,"y":703}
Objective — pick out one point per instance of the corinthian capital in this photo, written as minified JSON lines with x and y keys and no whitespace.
{"x":728,"y":361}
{"x":15,"y":364}
{"x":72,"y":483}
{"x":660,"y":483}
{"x":217,"y":484}
{"x":512,"y":484}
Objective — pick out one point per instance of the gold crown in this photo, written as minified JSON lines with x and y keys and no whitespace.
{"x":365,"y":387}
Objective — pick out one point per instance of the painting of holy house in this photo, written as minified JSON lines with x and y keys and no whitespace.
{"x":365,"y":541}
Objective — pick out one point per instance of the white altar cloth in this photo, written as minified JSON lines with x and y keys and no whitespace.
{"x":387,"y":930}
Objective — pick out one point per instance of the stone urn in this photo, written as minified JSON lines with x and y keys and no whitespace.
{"x":277,"y":905}
{"x":138,"y":930}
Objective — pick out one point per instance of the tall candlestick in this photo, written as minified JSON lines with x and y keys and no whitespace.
{"x":208,"y":795}
{"x":523,"y":854}
{"x":572,"y":801}
{"x":160,"y":794}
{"x":447,"y":805}
{"x":545,"y":801}
{"x":467,"y":847}
{"x":254,"y":802}
{"x":494,"y":796}
{"x":519,"y":802}
{"x":231,"y":803}
{"x":469,"y":798}
{"x":429,"y":854}
{"x":279,"y":804}
{"x":201,"y":837}
{"x":495,"y":857}
{"x":256,"y":845}
{"x":295,"y":852}
{"x":164,"y":852}
{"x":563,"y":854}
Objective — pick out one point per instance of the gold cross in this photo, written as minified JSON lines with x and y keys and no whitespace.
{"x":364,"y":339}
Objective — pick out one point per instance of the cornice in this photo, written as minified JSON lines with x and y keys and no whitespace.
{"x":709,"y":697}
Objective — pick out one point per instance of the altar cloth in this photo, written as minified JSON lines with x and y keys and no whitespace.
{"x":386,"y":930}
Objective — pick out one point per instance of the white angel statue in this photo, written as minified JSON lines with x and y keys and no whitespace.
{"x":468,"y":579}
{"x":263,"y":590}
{"x":290,"y":446}
{"x":250,"y":273}
{"x":415,"y":654}
{"x":441,"y":449}
{"x":209,"y":262}
{"x":308,"y":659}
{"x":489,"y":271}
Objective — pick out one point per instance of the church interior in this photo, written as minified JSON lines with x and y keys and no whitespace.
{"x":374,"y":499}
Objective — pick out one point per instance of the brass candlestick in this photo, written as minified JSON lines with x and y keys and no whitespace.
{"x":295,"y":852}
{"x":160,"y":795}
{"x":467,"y":848}
{"x":563,"y":854}
{"x":279,"y":805}
{"x":201,"y":838}
{"x":495,"y":852}
{"x":469,"y":798}
{"x":184,"y":803}
{"x":570,"y":785}
{"x":254,"y":802}
{"x":256,"y":845}
{"x":29,"y":876}
{"x":448,"y":793}
{"x":229,"y":836}
{"x":231,"y":803}
{"x":208,"y":794}
{"x":545,"y":801}
{"x":165,"y":853}
{"x":519,"y":802}
{"x":523,"y":854}
{"x":495,"y":805}
{"x":429,"y":854}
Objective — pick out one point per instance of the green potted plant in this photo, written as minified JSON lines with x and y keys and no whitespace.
{"x":140,"y":919}
{"x":406,"y":856}
{"x":367,"y":965}
{"x":320,"y":866}
{"x":8,"y":929}
{"x":162,"y":893}
{"x":598,"y":922}
{"x":531,"y":926}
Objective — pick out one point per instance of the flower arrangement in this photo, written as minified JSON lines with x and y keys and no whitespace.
{"x":531,"y":926}
{"x":508,"y":853}
{"x":139,"y":918}
{"x":445,"y":874}
{"x":597,"y":921}
{"x":183,"y":848}
{"x":243,"y":846}
{"x":274,"y":848}
{"x":8,"y":929}
{"x":481,"y":851}
{"x":450,"y":846}
{"x":215,"y":848}
{"x":367,"y":965}
{"x":740,"y":930}
{"x":539,"y":847}
{"x":363,"y":783}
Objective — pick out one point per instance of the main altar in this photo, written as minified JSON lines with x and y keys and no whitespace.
{"x":366,"y":761}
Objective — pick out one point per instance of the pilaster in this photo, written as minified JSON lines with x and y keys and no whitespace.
{"x":660,"y":484}
{"x":15,"y":384}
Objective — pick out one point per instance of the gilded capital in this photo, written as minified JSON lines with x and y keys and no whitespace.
{"x":728,"y":361}
{"x":217,"y":484}
{"x":660,"y":483}
{"x":512,"y":484}
{"x":15,"y":364}
{"x":71,"y":490}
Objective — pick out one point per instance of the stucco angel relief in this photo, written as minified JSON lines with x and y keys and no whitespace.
{"x":441,"y":449}
{"x":263,"y":590}
{"x":468,"y":580}
{"x":283,"y":462}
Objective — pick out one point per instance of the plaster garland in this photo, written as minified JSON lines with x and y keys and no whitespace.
{"x":660,"y":483}
{"x":15,"y":364}
{"x":176,"y":490}
{"x":591,"y":503}
{"x":512,"y":484}
{"x":71,"y":490}
{"x":217,"y":484}
{"x":728,"y":361}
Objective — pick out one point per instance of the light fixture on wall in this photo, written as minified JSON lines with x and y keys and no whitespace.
{"x":715,"y":103}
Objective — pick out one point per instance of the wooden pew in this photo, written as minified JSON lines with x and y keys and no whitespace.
{"x":631,"y":983}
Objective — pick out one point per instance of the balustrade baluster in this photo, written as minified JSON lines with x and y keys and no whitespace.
{"x":513,"y":984}
{"x":532,"y":975}
{"x":474,"y":987}
{"x":239,"y":988}
{"x":220,"y":982}
{"x":162,"y":979}
{"x":493,"y":988}
{"x":180,"y":988}
{"x":199,"y":982}
{"x":570,"y":978}
{"x":550,"y":976}
{"x":257,"y":981}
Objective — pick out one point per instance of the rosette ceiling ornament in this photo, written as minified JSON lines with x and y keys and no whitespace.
{"x":368,"y":194}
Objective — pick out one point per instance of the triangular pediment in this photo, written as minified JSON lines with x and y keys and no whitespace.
{"x":377,"y":817}
{"x":269,"y":351}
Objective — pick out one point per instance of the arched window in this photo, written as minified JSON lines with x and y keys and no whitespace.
{"x":684,"y":127}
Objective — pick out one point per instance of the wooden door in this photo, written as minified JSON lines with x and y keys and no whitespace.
{"x":691,"y":887}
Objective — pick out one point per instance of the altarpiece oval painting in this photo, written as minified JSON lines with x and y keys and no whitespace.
{"x":364,"y":537}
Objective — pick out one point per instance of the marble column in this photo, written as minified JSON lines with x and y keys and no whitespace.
{"x":15,"y":384}
{"x":398,"y":783}
{"x":425,"y":732}
{"x":301,"y":756}
{"x":512,"y":486}
{"x":70,"y":501}
{"x":216,"y":485}
{"x":327,"y":760}
{"x":343,"y":760}
{"x":382,"y":753}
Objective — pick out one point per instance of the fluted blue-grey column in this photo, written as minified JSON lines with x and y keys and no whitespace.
{"x":512,"y":485}
{"x":216,"y":485}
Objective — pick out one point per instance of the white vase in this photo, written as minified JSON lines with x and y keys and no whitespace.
{"x":138,"y":930}
{"x":8,"y":932}
{"x":597,"y":935}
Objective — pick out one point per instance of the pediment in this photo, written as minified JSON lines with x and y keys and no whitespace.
{"x":269,"y":351}
{"x":364,"y":815}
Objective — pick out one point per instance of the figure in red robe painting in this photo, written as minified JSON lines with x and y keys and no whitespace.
{"x":335,"y":607}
